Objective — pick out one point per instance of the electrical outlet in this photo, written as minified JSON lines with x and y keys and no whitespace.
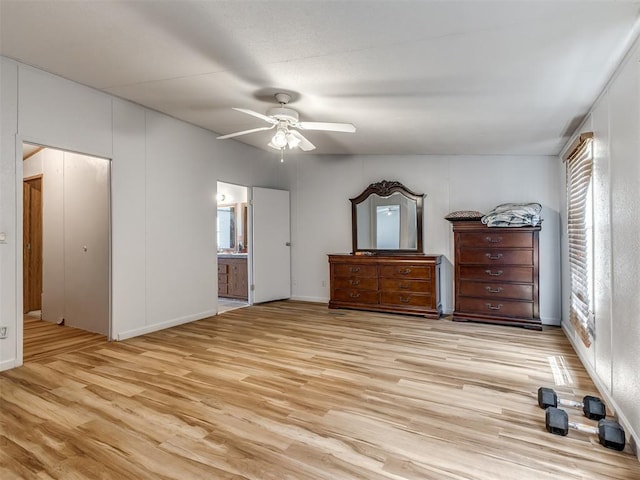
{"x":324,"y":283}
{"x":3,"y":332}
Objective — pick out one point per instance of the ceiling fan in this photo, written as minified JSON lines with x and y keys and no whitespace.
{"x":286,"y":122}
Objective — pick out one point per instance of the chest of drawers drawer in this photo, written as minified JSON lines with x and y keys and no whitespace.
{"x":354,"y":270}
{"x":496,"y":273}
{"x":362,"y":283}
{"x":406,"y":285}
{"x":369,"y":297}
{"x":405,"y":271}
{"x":491,"y":290}
{"x":496,"y":238}
{"x":503,"y":308}
{"x":404,"y":298}
{"x":487,"y":256}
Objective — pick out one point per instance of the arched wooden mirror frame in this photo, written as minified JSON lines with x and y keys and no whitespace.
{"x":385,"y":189}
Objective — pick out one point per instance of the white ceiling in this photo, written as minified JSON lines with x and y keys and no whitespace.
{"x":414,"y":77}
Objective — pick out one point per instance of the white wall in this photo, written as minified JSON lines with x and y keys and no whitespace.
{"x":10,"y":267}
{"x":321,"y":212}
{"x":164,"y":175}
{"x":613,"y":360}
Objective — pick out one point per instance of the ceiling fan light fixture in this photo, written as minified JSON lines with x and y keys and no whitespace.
{"x":279,"y":140}
{"x":292,"y":140}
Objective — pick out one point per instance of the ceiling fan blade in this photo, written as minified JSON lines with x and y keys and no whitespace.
{"x":327,"y":126}
{"x":305,"y":145}
{"x":256,"y":114}
{"x":244,"y":132}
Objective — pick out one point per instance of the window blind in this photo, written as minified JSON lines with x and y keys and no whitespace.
{"x":580,"y":237}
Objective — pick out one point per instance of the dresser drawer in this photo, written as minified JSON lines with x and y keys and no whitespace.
{"x":496,"y":256}
{"x":352,"y":269}
{"x":496,"y":290}
{"x":365,"y":283}
{"x":222,"y":268}
{"x":495,"y":307}
{"x":406,"y":299}
{"x":355,"y":296}
{"x":406,"y":271}
{"x":496,"y":239}
{"x":496,"y":273}
{"x":406,"y":285}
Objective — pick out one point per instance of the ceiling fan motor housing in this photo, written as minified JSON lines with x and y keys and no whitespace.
{"x":282,"y":113}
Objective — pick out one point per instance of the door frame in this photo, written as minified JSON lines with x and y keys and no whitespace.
{"x":39,"y":239}
{"x":247,"y":234}
{"x":19,"y":141}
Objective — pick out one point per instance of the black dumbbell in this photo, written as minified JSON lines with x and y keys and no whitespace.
{"x":592,"y":407}
{"x":610,"y":433}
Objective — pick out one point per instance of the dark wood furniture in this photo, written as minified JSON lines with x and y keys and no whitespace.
{"x":496,"y":274}
{"x":394,"y":283}
{"x":233,"y":277}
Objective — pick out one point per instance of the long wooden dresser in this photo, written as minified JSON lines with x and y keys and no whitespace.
{"x":496,"y":274}
{"x":387,"y":283}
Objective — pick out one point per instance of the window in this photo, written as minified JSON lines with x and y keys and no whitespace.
{"x":580,"y":236}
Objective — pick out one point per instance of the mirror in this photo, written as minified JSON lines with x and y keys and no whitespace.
{"x":226,"y":228}
{"x":387,"y":218}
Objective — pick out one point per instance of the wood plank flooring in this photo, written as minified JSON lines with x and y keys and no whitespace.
{"x":44,"y":339}
{"x":290,"y":390}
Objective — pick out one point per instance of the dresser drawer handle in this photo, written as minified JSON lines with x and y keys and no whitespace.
{"x":494,"y":290}
{"x":490,"y":256}
{"x":354,"y":295}
{"x":493,"y":239}
{"x":492,"y":274}
{"x":354,"y":269}
{"x":404,"y":286}
{"x":404,"y":271}
{"x":404,"y":299}
{"x":354,"y":282}
{"x":494,"y":307}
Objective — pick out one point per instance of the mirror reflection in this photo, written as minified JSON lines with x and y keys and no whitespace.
{"x":226,"y":227}
{"x":387,"y":217}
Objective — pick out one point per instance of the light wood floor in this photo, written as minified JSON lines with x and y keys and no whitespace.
{"x":290,"y":390}
{"x":44,"y":339}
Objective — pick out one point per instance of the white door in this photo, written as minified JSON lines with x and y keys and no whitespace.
{"x":271,"y":251}
{"x":86,"y":242}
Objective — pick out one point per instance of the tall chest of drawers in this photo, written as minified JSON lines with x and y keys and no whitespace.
{"x":496,"y":274}
{"x":395,"y":283}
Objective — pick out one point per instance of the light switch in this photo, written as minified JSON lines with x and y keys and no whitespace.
{"x":3,"y":237}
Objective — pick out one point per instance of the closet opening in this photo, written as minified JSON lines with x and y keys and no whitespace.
{"x":66,"y":251}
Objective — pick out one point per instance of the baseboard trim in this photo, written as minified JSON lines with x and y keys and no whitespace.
{"x":311,"y":299}
{"x":136,"y":332}
{"x":553,"y":321}
{"x":9,"y":364}
{"x":634,"y":439}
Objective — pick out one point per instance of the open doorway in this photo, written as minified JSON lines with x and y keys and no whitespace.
{"x":66,"y":250}
{"x":232,"y":238}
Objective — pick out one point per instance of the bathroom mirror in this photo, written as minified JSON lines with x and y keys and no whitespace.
{"x":226,"y":228}
{"x":387,"y":219}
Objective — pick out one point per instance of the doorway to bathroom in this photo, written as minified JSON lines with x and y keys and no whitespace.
{"x":232,"y":237}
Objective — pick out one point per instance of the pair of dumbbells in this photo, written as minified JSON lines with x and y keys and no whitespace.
{"x":610,"y":433}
